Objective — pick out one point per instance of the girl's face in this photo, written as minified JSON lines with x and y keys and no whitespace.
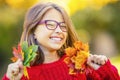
{"x":51,"y":32}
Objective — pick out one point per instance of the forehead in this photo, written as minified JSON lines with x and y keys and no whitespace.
{"x":53,"y":14}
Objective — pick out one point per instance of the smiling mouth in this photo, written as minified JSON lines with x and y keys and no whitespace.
{"x":56,"y":38}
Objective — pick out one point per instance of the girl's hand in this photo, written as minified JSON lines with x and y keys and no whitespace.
{"x":15,"y":70}
{"x":95,"y":61}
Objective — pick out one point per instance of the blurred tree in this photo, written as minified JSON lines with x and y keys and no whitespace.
{"x":97,"y":21}
{"x":21,"y":4}
{"x":10,"y":30}
{"x":72,"y":5}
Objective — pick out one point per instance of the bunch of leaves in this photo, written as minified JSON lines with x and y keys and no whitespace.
{"x":76,"y":57}
{"x":25,"y":53}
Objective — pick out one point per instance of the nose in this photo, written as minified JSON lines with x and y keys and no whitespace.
{"x":58,"y":29}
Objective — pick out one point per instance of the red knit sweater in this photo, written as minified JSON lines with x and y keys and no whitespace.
{"x":59,"y":71}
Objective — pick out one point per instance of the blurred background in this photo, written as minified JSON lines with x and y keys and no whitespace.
{"x":96,"y":21}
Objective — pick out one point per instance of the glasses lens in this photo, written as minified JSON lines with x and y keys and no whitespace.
{"x":51,"y":25}
{"x":63,"y":26}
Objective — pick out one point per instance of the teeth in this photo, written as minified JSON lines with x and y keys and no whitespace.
{"x":57,"y":39}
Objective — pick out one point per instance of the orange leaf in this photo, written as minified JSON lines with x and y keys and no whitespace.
{"x":70,"y":51}
{"x":67,"y":60}
{"x":77,"y":57}
{"x":14,"y":59}
{"x":78,"y":45}
{"x":18,"y":54}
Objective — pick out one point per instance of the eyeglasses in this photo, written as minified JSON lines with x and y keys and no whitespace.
{"x":52,"y":25}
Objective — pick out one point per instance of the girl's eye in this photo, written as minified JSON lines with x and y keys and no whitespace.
{"x":51,"y":26}
{"x":63,"y":25}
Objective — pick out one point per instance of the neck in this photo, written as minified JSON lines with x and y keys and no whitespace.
{"x":51,"y":57}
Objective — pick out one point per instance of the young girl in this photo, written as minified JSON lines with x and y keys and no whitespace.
{"x":49,"y":26}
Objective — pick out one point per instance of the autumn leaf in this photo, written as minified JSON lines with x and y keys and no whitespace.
{"x":76,"y":57}
{"x":30,"y":53}
{"x":26,"y":54}
{"x":18,"y":53}
{"x":70,"y":51}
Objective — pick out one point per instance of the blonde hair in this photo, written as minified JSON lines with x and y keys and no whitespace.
{"x":33,"y":16}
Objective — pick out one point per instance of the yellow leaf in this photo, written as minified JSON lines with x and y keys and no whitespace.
{"x":26,"y":73}
{"x":71,"y":71}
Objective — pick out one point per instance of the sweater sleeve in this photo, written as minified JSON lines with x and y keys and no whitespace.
{"x":105,"y":72}
{"x":5,"y":77}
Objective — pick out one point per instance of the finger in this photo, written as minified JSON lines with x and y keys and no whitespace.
{"x":89,"y":60}
{"x":95,"y":59}
{"x":15,"y":68}
{"x":15,"y":71}
{"x":102,"y":59}
{"x":105,"y":58}
{"x":98,"y":59}
{"x":92,"y":64}
{"x":21,"y":71}
{"x":19,"y":63}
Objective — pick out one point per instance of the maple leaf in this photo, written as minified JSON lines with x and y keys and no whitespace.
{"x":76,"y":57}
{"x":18,"y":53}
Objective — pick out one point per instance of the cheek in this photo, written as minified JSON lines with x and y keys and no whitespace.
{"x":38,"y":34}
{"x":40,"y":31}
{"x":66,"y":36}
{"x":42,"y":35}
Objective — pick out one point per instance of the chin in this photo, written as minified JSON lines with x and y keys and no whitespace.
{"x":56,"y":47}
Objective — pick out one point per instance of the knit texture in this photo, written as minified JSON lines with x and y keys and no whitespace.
{"x":52,"y":71}
{"x":108,"y":69}
{"x":59,"y":71}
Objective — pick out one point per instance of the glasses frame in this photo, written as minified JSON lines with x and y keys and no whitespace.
{"x":58,"y":24}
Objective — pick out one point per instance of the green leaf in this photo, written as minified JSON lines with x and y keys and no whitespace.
{"x":24,"y":46}
{"x":34,"y":48}
{"x":29,"y":53}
